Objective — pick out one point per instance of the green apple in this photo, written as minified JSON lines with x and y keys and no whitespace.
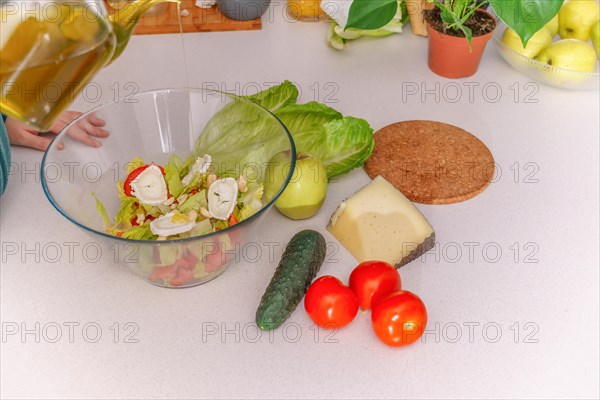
{"x":576,"y":18}
{"x":540,"y":40}
{"x":552,"y":26}
{"x":306,"y":191}
{"x":595,"y":33}
{"x":570,"y":54}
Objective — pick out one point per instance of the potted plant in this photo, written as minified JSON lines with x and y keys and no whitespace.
{"x":448,"y":25}
{"x":453,"y":21}
{"x":525,"y":17}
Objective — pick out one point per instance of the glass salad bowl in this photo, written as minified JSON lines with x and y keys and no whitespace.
{"x":241,"y":138}
{"x":544,"y":73}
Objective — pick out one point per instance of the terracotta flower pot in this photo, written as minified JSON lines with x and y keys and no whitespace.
{"x":451,"y":57}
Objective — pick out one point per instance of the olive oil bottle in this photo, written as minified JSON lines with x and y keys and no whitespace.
{"x":50,"y":49}
{"x":47,"y":58}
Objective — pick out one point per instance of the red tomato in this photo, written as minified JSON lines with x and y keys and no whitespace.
{"x":134,"y":174}
{"x":399,"y":319}
{"x":330,"y":303}
{"x":372,"y":281}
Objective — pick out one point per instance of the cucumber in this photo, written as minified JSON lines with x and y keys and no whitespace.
{"x":299,"y":265}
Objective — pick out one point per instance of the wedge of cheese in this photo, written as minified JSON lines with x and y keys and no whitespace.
{"x":379,"y":223}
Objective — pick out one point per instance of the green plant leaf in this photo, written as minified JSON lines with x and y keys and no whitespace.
{"x":371,"y":14}
{"x":526,"y":17}
{"x":468,"y":34}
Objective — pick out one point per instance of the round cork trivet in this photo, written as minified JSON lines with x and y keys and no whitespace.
{"x":431,"y":162}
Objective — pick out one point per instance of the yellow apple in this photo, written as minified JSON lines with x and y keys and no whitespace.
{"x":540,"y":40}
{"x":576,"y":18}
{"x":305,"y":192}
{"x":595,"y":33}
{"x":552,"y":26}
{"x":570,"y":54}
{"x":573,"y":58}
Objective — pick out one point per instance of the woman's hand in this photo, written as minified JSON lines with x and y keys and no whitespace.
{"x":84,"y":131}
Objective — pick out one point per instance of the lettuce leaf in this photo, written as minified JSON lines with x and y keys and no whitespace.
{"x":141,"y":232}
{"x":194,"y":202}
{"x":239,"y":135}
{"x":202,"y":228}
{"x":173,"y":176}
{"x":134,"y":164}
{"x":127,"y":211}
{"x":195,"y":183}
{"x":342,"y":143}
{"x":252,"y":198}
{"x":246,"y":212}
{"x":276,"y":97}
{"x":349,"y":145}
{"x":106,"y":221}
{"x":173,"y":180}
{"x":166,"y":254}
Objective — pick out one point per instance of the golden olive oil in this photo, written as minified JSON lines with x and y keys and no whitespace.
{"x":47,"y":58}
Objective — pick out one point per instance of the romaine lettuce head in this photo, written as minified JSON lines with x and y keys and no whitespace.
{"x":239,"y":135}
{"x":342,"y":143}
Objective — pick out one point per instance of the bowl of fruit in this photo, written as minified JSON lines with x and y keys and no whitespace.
{"x":564,"y":53}
{"x":178,"y":187}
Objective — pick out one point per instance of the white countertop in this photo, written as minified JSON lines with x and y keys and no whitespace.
{"x":523,"y":323}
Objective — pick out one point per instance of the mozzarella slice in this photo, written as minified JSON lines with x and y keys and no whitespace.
{"x":222,"y":198}
{"x":172,"y":223}
{"x":200,"y":167}
{"x":150,"y":186}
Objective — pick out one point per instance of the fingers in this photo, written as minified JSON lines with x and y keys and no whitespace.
{"x":87,"y":129}
{"x":79,"y":134}
{"x":97,"y":132}
{"x":92,"y":119}
{"x":34,"y":141}
{"x":92,"y":129}
{"x":20,"y":134}
{"x":63,"y":120}
{"x":84,"y":131}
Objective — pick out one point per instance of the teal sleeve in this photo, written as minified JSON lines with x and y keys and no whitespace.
{"x":4,"y":156}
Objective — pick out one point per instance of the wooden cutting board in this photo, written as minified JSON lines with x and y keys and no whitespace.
{"x":198,"y":20}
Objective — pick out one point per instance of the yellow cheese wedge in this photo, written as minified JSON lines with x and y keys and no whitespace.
{"x":379,"y":223}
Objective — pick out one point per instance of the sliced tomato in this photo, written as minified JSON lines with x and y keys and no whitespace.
{"x":182,"y":277}
{"x":163,"y":272}
{"x":191,"y":259}
{"x":134,"y":174}
{"x":232,"y":220}
{"x":182,"y":263}
{"x":214,"y":261}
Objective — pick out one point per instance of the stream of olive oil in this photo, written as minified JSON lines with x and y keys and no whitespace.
{"x":186,"y":74}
